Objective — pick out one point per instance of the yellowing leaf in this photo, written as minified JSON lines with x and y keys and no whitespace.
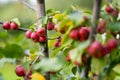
{"x":58,"y":17}
{"x":69,"y":23}
{"x":33,"y":56}
{"x":37,"y":76}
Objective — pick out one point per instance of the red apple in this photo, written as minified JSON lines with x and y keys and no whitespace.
{"x":76,"y":63}
{"x":13,"y":26}
{"x":20,"y":71}
{"x":108,"y":9}
{"x":50,"y":25}
{"x":111,"y":45}
{"x":42,"y":39}
{"x":6,"y":25}
{"x":74,"y":34}
{"x":56,"y":44}
{"x":40,"y":31}
{"x":95,"y":49}
{"x":68,"y":58}
{"x":83,"y":33}
{"x":34,"y":36}
{"x":28,"y":34}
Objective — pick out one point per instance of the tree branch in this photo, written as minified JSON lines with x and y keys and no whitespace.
{"x":41,"y":13}
{"x":28,"y":5}
{"x":19,"y":28}
{"x":22,"y":29}
{"x":96,"y":13}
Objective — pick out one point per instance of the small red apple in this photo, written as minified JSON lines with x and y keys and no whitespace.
{"x":108,"y":9}
{"x":74,"y":34}
{"x":57,"y":44}
{"x":20,"y":71}
{"x":28,"y":34}
{"x":50,"y":25}
{"x":42,"y":39}
{"x":95,"y":49}
{"x":111,"y":45}
{"x":6,"y":25}
{"x":13,"y":26}
{"x":83,"y":33}
{"x":76,"y":63}
{"x":40,"y":31}
{"x":34,"y":36}
{"x":68,"y":58}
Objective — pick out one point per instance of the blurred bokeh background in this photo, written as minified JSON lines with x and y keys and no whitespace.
{"x":13,"y":41}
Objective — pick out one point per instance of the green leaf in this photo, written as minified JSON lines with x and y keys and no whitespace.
{"x":16,"y":20}
{"x":74,"y":70}
{"x":77,"y":52}
{"x":52,"y":64}
{"x":33,"y":27}
{"x":98,"y":65}
{"x":13,"y":51}
{"x":44,"y":20}
{"x":76,"y":16}
{"x":113,"y":26}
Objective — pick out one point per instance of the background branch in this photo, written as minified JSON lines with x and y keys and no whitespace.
{"x":96,"y":13}
{"x":28,"y":5}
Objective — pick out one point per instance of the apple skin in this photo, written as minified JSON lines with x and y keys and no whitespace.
{"x":13,"y":26}
{"x":6,"y":25}
{"x":40,"y":32}
{"x":50,"y":25}
{"x":42,"y":39}
{"x":96,"y":49}
{"x":20,"y":71}
{"x":68,"y":58}
{"x":111,"y":45}
{"x":108,"y":9}
{"x":83,"y":33}
{"x":34,"y":36}
{"x":74,"y":34}
{"x":57,"y":44}
{"x":115,"y":13}
{"x":28,"y":34}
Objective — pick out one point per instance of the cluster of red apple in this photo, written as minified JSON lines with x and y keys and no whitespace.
{"x":10,"y":25}
{"x":111,"y":10}
{"x":39,"y":34}
{"x":97,"y":50}
{"x":21,"y":72}
{"x":79,"y":33}
{"x":36,"y":36}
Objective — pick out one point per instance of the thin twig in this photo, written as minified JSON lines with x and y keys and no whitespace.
{"x":22,"y":29}
{"x":28,"y":5}
{"x":53,"y":38}
{"x":1,"y":22}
